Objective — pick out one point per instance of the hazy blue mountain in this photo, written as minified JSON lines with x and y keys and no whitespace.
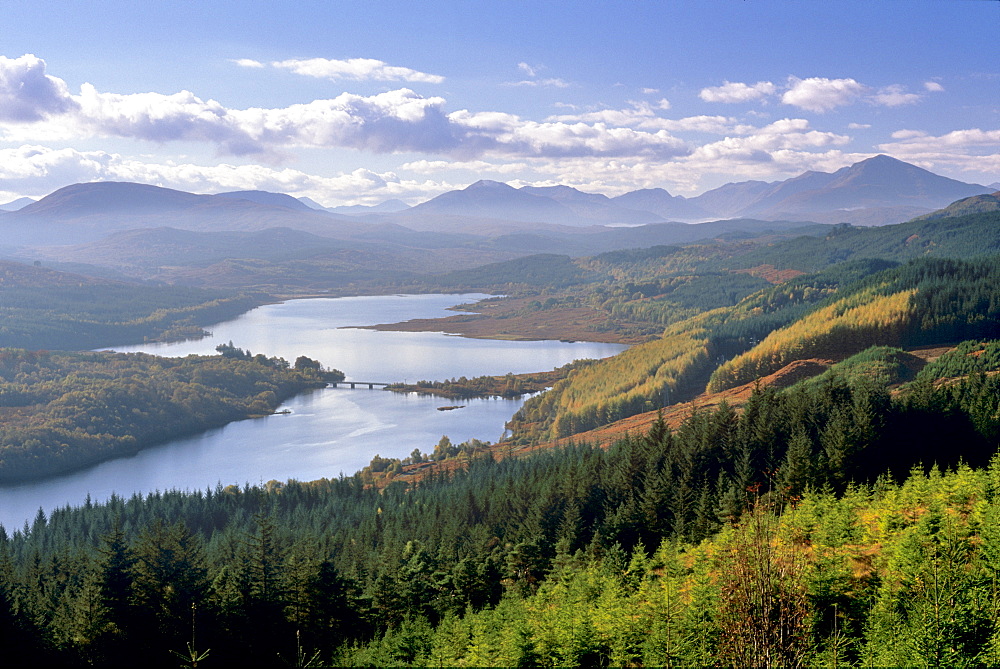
{"x":731,"y":199}
{"x":662,"y":203}
{"x":19,"y":203}
{"x":104,"y":197}
{"x":312,"y":204}
{"x":85,"y":212}
{"x":594,"y":207}
{"x":495,"y":200}
{"x":878,"y":182}
{"x":387,"y":207}
{"x":268,"y":198}
{"x":780,"y":191}
{"x":875,"y":191}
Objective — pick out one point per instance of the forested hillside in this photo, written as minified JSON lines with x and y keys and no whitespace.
{"x":831,"y":314}
{"x":63,"y":411}
{"x":644,"y":553}
{"x":42,"y":308}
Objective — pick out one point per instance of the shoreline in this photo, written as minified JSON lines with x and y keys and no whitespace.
{"x":512,"y":319}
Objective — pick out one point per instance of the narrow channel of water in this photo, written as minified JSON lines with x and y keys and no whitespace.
{"x":328,"y":432}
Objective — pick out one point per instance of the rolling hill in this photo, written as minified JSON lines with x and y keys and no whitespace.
{"x":86,"y":212}
{"x":858,"y":295}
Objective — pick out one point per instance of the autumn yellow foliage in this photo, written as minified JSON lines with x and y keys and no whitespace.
{"x":843,"y":328}
{"x":642,"y":378}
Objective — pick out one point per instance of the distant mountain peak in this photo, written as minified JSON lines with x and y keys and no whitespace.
{"x":881,"y":158}
{"x":483,"y":184}
{"x":17,"y":204}
{"x":268,"y":198}
{"x":388,"y":207}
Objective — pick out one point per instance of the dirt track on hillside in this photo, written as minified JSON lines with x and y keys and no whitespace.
{"x":673,"y":415}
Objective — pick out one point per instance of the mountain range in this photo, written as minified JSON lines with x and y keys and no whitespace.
{"x":89,"y":211}
{"x":877,"y":190}
{"x":387,"y":207}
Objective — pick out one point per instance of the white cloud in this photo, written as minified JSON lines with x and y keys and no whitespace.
{"x":642,"y":115}
{"x":359,"y":69}
{"x":859,"y":126}
{"x":393,"y":121}
{"x":247,"y":62}
{"x":819,"y":94}
{"x":894,"y":96}
{"x":908,"y":134}
{"x":964,"y":139}
{"x":475,"y":166}
{"x":713,"y":125}
{"x":532,"y":71}
{"x":763,"y":144}
{"x":162,"y":118}
{"x":638,"y":113}
{"x":933,"y":87}
{"x":506,"y":134}
{"x":543,"y":83}
{"x":27,"y":93}
{"x":398,"y":120}
{"x":650,"y":91}
{"x":732,"y":92}
{"x":972,"y":150}
{"x":605,"y":150}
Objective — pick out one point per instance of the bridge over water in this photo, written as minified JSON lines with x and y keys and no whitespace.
{"x":371,"y":384}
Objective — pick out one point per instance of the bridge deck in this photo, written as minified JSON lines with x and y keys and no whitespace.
{"x":371,"y":384}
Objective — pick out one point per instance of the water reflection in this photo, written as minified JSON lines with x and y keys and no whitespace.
{"x":328,"y":432}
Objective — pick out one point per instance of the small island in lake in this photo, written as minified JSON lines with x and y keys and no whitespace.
{"x":508,"y":386}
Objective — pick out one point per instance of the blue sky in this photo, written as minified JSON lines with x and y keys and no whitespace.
{"x":359,"y":102}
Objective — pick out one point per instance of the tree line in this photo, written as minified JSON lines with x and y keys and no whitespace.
{"x":534,"y":559}
{"x":64,"y":411}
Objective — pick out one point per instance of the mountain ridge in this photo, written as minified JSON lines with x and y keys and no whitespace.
{"x":876,"y":191}
{"x":88,"y":211}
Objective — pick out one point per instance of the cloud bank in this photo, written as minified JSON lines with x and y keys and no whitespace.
{"x":358,"y":69}
{"x":395,"y":121}
{"x":815,"y":94}
{"x":598,"y":148}
{"x":731,"y":92}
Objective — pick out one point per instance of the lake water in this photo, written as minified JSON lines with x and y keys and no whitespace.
{"x":330,"y":431}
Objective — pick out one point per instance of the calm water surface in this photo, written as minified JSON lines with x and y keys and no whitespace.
{"x":331,"y":431}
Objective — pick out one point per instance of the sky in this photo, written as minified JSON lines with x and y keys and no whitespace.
{"x":360,"y":102}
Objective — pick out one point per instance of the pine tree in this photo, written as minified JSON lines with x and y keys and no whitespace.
{"x":169,"y":578}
